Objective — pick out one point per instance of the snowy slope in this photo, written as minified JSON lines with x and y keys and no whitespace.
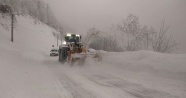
{"x":27,"y":34}
{"x":21,"y":74}
{"x":27,"y":70}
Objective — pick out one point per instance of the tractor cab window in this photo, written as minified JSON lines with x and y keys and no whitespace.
{"x":77,"y":39}
{"x":72,"y":38}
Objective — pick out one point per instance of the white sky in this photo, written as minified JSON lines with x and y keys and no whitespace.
{"x":80,"y":15}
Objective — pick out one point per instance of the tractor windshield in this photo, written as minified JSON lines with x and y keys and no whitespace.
{"x":72,"y":38}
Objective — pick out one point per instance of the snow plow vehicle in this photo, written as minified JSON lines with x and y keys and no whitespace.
{"x":72,"y":49}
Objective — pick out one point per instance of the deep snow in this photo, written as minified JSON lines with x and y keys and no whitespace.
{"x":27,"y":70}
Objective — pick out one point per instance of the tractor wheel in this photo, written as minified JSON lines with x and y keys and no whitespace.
{"x":59,"y":55}
{"x":63,"y":54}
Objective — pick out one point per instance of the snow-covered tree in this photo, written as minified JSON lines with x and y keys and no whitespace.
{"x":37,"y":9}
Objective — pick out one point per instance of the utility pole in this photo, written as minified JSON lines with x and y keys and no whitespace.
{"x":12,"y":27}
{"x":61,"y":39}
{"x":57,"y":40}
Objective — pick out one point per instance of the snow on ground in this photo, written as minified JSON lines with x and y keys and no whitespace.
{"x":21,"y":73}
{"x":27,"y":70}
{"x":162,"y":72}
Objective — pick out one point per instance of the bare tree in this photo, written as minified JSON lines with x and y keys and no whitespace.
{"x":132,"y":28}
{"x":105,"y":43}
{"x":93,"y":32}
{"x":141,"y":37}
{"x":161,"y":41}
{"x":146,"y":37}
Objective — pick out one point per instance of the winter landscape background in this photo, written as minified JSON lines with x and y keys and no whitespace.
{"x":27,"y":70}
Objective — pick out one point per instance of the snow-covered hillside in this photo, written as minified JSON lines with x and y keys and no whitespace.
{"x":27,"y":70}
{"x":21,"y":75}
{"x":28,"y":33}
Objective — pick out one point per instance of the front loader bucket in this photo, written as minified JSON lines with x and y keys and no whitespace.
{"x":80,"y":58}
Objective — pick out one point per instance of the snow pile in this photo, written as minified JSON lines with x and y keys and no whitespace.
{"x":147,"y":59}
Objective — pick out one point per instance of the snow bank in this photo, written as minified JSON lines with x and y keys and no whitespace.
{"x":147,"y":59}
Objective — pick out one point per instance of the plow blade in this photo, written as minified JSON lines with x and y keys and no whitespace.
{"x":79,"y":58}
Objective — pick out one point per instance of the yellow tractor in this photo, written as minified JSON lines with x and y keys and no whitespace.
{"x":72,"y":49}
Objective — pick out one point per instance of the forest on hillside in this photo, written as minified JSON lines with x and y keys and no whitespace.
{"x":37,"y":9}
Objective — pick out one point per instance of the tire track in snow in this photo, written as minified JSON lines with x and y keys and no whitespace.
{"x":95,"y":89}
{"x":60,"y":89}
{"x":65,"y":83}
{"x":133,"y":89}
{"x":85,"y":83}
{"x":74,"y":88}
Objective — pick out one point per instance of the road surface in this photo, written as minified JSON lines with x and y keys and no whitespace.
{"x":98,"y":81}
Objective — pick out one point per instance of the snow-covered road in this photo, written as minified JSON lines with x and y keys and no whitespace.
{"x":103,"y":81}
{"x":38,"y":75}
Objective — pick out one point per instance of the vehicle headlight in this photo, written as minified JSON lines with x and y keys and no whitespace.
{"x":64,"y":43}
{"x":77,"y":35}
{"x":68,"y":34}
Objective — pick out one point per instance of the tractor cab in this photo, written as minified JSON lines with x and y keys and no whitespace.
{"x":73,"y":38}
